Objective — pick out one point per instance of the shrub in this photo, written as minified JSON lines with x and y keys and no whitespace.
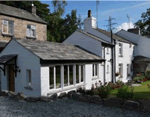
{"x":124,"y":93}
{"x":119,"y":82}
{"x":138,"y":78}
{"x":147,"y":74}
{"x":81,"y":90}
{"x":104,"y":91}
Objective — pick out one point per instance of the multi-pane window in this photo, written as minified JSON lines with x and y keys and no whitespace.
{"x":128,"y":69}
{"x":120,"y":49}
{"x":31,"y":31}
{"x":8,"y":27}
{"x":28,"y":76}
{"x":95,"y":70}
{"x":121,"y":69}
{"x":55,"y":75}
{"x":107,"y":50}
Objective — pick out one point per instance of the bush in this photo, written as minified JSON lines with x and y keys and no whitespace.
{"x":124,"y":93}
{"x":147,"y":74}
{"x":119,"y":82}
{"x":81,"y":90}
{"x":104,"y":91}
{"x":138,"y":78}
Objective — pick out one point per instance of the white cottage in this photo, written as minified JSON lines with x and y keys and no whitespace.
{"x":38,"y":68}
{"x":117,"y":51}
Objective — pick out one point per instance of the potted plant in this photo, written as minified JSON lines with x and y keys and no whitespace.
{"x":117,"y":74}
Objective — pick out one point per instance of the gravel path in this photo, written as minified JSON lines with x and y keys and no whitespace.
{"x":61,"y":108}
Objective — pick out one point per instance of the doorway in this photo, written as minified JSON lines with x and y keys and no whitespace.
{"x":11,"y":78}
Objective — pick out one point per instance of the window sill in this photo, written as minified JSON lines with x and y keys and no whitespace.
{"x":120,"y":55}
{"x":30,"y":37}
{"x":9,"y":35}
{"x":52,"y":91}
{"x":28,"y":87}
{"x":95,"y":78}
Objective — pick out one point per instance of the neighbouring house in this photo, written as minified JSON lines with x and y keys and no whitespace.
{"x":141,"y":55}
{"x":18,"y":23}
{"x":41,"y":68}
{"x":117,"y":51}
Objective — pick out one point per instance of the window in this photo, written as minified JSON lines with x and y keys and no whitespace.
{"x":31,"y":31}
{"x":58,"y":77}
{"x":120,"y":50}
{"x":95,"y":70}
{"x":51,"y":79}
{"x":128,"y":70}
{"x":130,"y":45}
{"x":103,"y":52}
{"x":107,"y":69}
{"x":77,"y":73}
{"x":8,"y":27}
{"x":107,"y":50}
{"x":82,"y":73}
{"x":66,"y":75}
{"x":28,"y":76}
{"x":121,"y":69}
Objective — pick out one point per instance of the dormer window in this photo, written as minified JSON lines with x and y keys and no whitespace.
{"x":7,"y":27}
{"x":31,"y":31}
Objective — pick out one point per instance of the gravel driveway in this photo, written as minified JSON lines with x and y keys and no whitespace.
{"x":61,"y":108}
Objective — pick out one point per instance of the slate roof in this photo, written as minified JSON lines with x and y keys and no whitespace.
{"x":5,"y":58}
{"x":56,"y":51}
{"x":141,"y":59}
{"x":19,"y":13}
{"x":95,"y":37}
{"x":114,"y":36}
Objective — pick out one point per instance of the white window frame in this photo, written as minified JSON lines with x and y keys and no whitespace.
{"x":120,"y":48}
{"x":121,"y":67}
{"x":107,"y":50}
{"x":94,"y":70}
{"x":128,"y":69}
{"x":32,"y":27}
{"x":62,"y":75}
{"x":8,"y":26}
{"x":107,"y":69}
{"x":28,"y":77}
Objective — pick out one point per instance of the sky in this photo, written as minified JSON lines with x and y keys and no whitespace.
{"x":115,"y":9}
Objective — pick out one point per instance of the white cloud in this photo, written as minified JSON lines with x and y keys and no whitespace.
{"x":124,"y":26}
{"x":125,"y":8}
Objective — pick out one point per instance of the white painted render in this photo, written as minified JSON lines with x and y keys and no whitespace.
{"x":86,"y":42}
{"x":125,"y":59}
{"x":89,"y":22}
{"x":26,"y":60}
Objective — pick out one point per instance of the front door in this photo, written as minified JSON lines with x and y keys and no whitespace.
{"x":11,"y":78}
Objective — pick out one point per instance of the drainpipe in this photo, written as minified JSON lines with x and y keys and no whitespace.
{"x":104,"y":64}
{"x":112,"y":59}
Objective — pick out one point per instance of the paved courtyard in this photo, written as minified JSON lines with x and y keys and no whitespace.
{"x":61,"y":108}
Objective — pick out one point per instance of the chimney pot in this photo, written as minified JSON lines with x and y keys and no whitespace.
{"x":33,"y":9}
{"x":89,"y":13}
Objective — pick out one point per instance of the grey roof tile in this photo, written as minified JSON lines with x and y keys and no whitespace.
{"x":20,"y":13}
{"x":57,"y":51}
{"x":114,"y":36}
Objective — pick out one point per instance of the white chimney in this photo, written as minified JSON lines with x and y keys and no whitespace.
{"x":89,"y":22}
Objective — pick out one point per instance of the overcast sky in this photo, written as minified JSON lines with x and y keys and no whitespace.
{"x":115,"y":9}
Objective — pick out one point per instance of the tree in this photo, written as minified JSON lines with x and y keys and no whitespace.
{"x":144,"y":23}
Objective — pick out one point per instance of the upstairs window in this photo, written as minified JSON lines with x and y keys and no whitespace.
{"x":107,"y":50}
{"x":128,"y":70}
{"x":31,"y":31}
{"x":120,"y":50}
{"x":7,"y":27}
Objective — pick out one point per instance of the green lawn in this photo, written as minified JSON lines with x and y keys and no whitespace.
{"x":139,"y":91}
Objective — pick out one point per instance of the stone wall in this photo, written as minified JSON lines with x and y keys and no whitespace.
{"x":20,"y":28}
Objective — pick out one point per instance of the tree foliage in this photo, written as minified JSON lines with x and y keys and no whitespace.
{"x":144,"y":23}
{"x":58,"y":28}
